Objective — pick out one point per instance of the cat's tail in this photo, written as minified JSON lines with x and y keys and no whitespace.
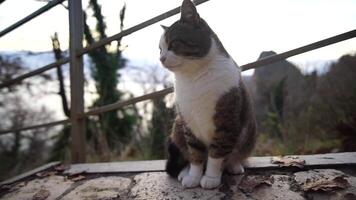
{"x":175,"y":161}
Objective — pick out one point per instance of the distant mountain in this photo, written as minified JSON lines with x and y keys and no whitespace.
{"x":277,"y":87}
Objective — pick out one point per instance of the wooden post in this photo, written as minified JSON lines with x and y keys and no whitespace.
{"x":76,"y":81}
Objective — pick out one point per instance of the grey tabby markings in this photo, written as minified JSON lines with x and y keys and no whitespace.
{"x":191,"y":36}
{"x":235,"y":125}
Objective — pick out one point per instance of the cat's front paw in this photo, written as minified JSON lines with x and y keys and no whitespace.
{"x":189,"y":181}
{"x":209,"y":182}
{"x":183,"y":173}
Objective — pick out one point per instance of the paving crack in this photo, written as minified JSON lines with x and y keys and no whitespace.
{"x":70,"y":189}
{"x":133,"y":183}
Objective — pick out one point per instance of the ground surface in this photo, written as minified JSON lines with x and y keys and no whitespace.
{"x":282,"y":178}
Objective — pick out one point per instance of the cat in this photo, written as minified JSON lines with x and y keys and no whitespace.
{"x":215,"y":127}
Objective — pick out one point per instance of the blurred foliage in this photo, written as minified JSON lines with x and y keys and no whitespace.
{"x":109,"y":133}
{"x":311,"y":114}
{"x":114,"y":128}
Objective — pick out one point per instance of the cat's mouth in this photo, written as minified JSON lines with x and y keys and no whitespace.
{"x":171,"y":67}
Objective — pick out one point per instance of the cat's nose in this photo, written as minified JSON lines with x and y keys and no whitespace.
{"x":163,"y":58}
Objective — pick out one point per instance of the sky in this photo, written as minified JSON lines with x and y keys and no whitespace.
{"x":245,"y":27}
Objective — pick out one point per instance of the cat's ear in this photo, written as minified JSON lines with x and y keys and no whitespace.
{"x":164,"y":27}
{"x":189,"y":12}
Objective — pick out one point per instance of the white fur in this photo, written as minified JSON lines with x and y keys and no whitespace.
{"x":199,"y":83}
{"x":192,"y":179}
{"x":212,"y":177}
{"x":171,"y":60}
{"x":214,"y":167}
{"x":183,"y":173}
{"x":208,"y":182}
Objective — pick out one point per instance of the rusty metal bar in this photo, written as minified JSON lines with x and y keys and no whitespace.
{"x":76,"y":25}
{"x":300,"y":50}
{"x":38,"y":12}
{"x":100,"y":43}
{"x":258,"y":63}
{"x":34,"y":72}
{"x":134,"y":28}
{"x":120,"y":104}
{"x":56,"y":123}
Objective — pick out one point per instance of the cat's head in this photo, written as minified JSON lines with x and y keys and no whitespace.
{"x":187,"y":41}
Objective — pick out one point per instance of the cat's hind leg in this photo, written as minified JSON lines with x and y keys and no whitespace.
{"x":177,"y":150}
{"x":175,"y":161}
{"x":235,"y":168}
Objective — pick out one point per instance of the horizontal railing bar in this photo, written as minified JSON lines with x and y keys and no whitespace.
{"x":3,"y":132}
{"x":38,"y":12}
{"x":134,"y":29}
{"x":134,"y":100}
{"x":100,"y":43}
{"x":34,"y":72}
{"x":259,"y":63}
{"x":252,"y":65}
{"x":300,"y":50}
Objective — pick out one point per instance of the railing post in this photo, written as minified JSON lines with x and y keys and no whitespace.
{"x":76,"y":81}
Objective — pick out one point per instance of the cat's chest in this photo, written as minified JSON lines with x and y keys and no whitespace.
{"x":197,"y":98}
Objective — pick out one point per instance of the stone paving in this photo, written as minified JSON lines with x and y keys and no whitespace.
{"x":266,"y":185}
{"x":286,"y":183}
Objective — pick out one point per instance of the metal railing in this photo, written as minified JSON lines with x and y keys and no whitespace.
{"x":75,"y":59}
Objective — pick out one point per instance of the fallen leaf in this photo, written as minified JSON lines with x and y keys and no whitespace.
{"x":249,"y":183}
{"x":291,"y":161}
{"x":41,"y":195}
{"x":5,"y":187}
{"x":45,"y":173}
{"x":74,"y":173}
{"x":77,"y":178}
{"x":326,"y":185}
{"x":61,"y":167}
{"x":13,"y":187}
{"x":350,"y":196}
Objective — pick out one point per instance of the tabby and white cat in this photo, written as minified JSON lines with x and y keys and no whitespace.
{"x":215,"y":128}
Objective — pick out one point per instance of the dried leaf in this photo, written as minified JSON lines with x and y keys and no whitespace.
{"x":78,"y":178}
{"x":326,"y":185}
{"x":249,"y":183}
{"x":61,"y":167}
{"x":13,"y":187}
{"x":5,"y":187}
{"x":41,"y":195}
{"x":349,"y":196}
{"x":289,"y":161}
{"x":75,"y":173}
{"x":45,"y":173}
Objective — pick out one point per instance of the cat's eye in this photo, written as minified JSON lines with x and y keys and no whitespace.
{"x":177,"y":43}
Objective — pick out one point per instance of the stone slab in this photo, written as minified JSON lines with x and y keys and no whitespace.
{"x":30,"y":173}
{"x":55,"y":185}
{"x":112,"y":167}
{"x":324,"y":175}
{"x":158,"y":185}
{"x":111,"y":187}
{"x":317,"y":160}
